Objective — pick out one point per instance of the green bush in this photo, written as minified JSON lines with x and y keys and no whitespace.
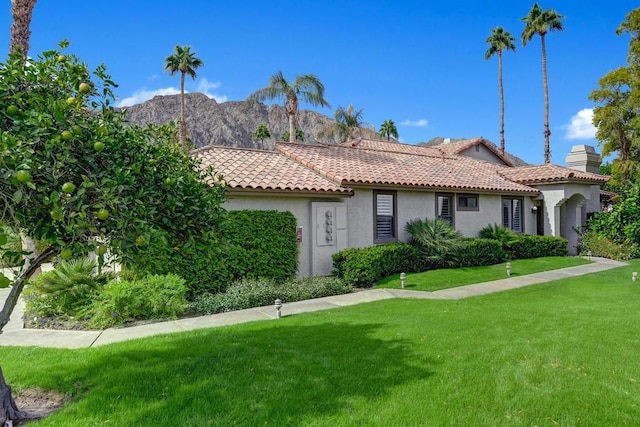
{"x":436,"y":240}
{"x":531,"y":246}
{"x":598,"y":245}
{"x":476,"y":251}
{"x":66,"y":291}
{"x":151,"y":297}
{"x":361,"y":267}
{"x":497,"y":232}
{"x":248,"y":293}
{"x":261,"y":244}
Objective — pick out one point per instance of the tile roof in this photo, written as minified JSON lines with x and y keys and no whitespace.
{"x":245,"y":170}
{"x":457,"y":147}
{"x":368,"y":164}
{"x":550,"y":173}
{"x":396,"y":147}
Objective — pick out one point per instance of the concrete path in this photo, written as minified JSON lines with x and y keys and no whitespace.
{"x":15,"y":335}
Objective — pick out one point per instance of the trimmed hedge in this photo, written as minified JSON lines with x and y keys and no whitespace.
{"x":531,"y":246}
{"x":478,"y":251}
{"x":362,"y":267}
{"x":261,"y":244}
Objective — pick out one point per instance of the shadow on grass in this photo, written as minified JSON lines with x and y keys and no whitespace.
{"x":282,"y":372}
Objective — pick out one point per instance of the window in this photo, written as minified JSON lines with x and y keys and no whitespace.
{"x":512,"y":214}
{"x":384,"y":216}
{"x":444,"y":207}
{"x":468,"y":202}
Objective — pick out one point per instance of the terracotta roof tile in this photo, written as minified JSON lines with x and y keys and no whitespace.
{"x":359,"y":165}
{"x":245,"y":169}
{"x":550,"y":173}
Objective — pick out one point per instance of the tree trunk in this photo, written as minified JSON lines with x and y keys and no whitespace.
{"x":547,"y":132}
{"x":22,"y":11}
{"x":183,"y":125}
{"x":9,"y":411}
{"x":292,"y":109}
{"x":501,"y":102}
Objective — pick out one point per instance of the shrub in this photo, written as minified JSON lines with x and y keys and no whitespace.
{"x":261,"y":244}
{"x":436,"y":241}
{"x":362,"y":267}
{"x":531,"y":246}
{"x":248,"y":293}
{"x":151,"y":297}
{"x":499,"y":233}
{"x":598,"y":245}
{"x":66,"y":291}
{"x":475,"y":252}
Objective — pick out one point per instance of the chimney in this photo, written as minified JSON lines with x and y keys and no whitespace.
{"x":584,"y":158}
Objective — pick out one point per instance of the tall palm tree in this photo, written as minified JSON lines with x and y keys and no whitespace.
{"x":348,"y":122}
{"x":21,"y":10}
{"x":541,"y":22}
{"x":306,"y":87}
{"x":388,"y":129}
{"x":500,"y":40}
{"x":185,"y":62}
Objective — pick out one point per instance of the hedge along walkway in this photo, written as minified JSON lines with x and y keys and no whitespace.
{"x":15,"y":335}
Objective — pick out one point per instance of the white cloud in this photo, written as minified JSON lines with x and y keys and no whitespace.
{"x":417,"y":123}
{"x":202,"y":85}
{"x":142,"y":95}
{"x":581,"y":125}
{"x":206,"y":86}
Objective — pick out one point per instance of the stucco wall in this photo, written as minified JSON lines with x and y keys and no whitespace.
{"x":482,"y":154}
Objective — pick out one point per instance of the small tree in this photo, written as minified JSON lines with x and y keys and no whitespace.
{"x":75,"y":175}
{"x":261,"y":133}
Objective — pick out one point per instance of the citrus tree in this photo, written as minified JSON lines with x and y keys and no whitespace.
{"x":74,"y":174}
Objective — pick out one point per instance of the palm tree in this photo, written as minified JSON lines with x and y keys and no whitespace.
{"x":500,"y":40}
{"x":21,"y":10}
{"x":540,"y":22}
{"x":306,"y":87}
{"x":184,"y":61}
{"x":262,"y":133}
{"x":388,"y":129}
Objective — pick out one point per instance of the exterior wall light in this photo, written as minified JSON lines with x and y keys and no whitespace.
{"x":534,"y":210}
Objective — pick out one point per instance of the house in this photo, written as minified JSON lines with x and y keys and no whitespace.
{"x":363,"y":192}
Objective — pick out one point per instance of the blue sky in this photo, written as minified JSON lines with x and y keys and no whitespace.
{"x":420,"y":63}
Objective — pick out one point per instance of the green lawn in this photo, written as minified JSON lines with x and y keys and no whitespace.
{"x":558,"y":353}
{"x":434,"y":280}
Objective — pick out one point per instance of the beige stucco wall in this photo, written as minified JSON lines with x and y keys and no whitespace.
{"x":483,"y":153}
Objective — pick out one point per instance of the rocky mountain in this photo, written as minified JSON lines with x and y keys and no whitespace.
{"x":229,"y":123}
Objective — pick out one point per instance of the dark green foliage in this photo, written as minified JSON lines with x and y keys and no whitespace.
{"x":530,"y":246}
{"x":436,"y":241}
{"x":499,"y":233}
{"x":623,"y":222}
{"x":475,"y":252}
{"x":248,"y":293}
{"x":596,"y":244}
{"x":261,"y":244}
{"x":151,"y":297}
{"x":67,"y":290}
{"x":362,"y":267}
{"x":200,"y":263}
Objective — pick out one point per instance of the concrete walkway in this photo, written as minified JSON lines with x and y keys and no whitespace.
{"x":15,"y":335}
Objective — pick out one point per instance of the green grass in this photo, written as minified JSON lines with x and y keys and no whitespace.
{"x":559,"y":353}
{"x":434,"y":280}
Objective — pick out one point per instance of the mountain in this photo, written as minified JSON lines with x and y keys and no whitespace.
{"x":229,"y":123}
